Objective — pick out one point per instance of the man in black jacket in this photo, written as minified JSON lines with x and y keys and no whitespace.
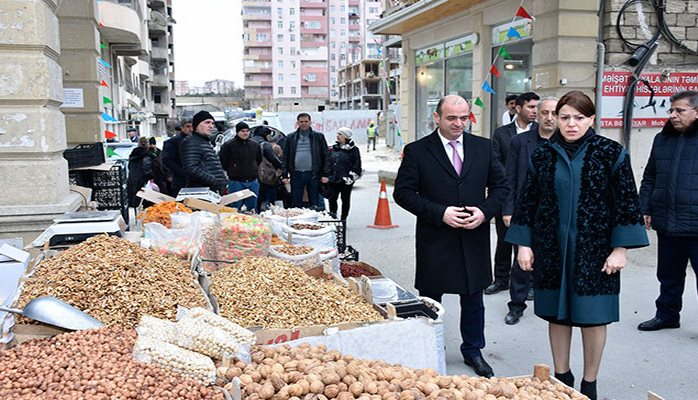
{"x":453,"y":183}
{"x":201,"y":165}
{"x":526,"y":104}
{"x":520,"y":150}
{"x":170,"y":157}
{"x":240,"y":158}
{"x":305,"y":161}
{"x":668,"y":201}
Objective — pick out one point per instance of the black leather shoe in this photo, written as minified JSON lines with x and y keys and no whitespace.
{"x":496,"y":287}
{"x":656,"y":324}
{"x":530,"y":295}
{"x":512,"y":317}
{"x":479,"y":365}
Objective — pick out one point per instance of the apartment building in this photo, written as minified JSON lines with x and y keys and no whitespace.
{"x":294,"y":49}
{"x":219,"y":86}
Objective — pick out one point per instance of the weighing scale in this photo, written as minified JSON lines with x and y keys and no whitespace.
{"x":391,"y":297}
{"x":201,"y":193}
{"x":75,"y":227}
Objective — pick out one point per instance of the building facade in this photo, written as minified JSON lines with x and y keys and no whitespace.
{"x":450,"y":48}
{"x":219,"y":86}
{"x":294,"y":49}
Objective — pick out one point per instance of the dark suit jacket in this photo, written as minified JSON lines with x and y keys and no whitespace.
{"x":501,"y":138}
{"x":450,"y":260}
{"x":520,"y":149}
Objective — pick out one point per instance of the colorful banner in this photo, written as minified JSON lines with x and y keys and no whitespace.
{"x":460,"y":46}
{"x":428,"y":55}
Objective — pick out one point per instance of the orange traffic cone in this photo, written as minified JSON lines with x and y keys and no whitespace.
{"x":382,"y":220}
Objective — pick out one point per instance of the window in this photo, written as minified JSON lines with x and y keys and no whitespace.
{"x":334,"y":82}
{"x":334,"y":45}
{"x":310,"y":77}
{"x":333,"y":69}
{"x":373,"y":10}
{"x":261,"y":37}
{"x":280,"y":63}
{"x":293,"y":90}
{"x":333,"y":57}
{"x":294,"y":78}
{"x":293,"y":37}
{"x":332,"y":20}
{"x":280,"y":90}
{"x":343,"y":57}
{"x":313,"y":24}
{"x":342,"y":9}
{"x":280,"y":77}
{"x":342,"y":33}
{"x":280,"y":24}
{"x":332,"y":9}
{"x":280,"y":37}
{"x":293,"y":50}
{"x":291,"y":11}
{"x":293,"y":64}
{"x":280,"y":50}
{"x":342,"y":20}
{"x":280,"y":11}
{"x":342,"y":45}
{"x":292,"y":25}
{"x":246,"y":36}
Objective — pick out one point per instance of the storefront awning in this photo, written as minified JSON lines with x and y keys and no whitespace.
{"x":418,"y":15}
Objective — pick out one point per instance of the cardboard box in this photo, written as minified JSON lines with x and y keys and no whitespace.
{"x":198,"y":204}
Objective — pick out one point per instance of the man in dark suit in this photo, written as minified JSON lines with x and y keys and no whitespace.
{"x":520,"y":150}
{"x":453,"y":183}
{"x":170,"y":157}
{"x":525,"y":121}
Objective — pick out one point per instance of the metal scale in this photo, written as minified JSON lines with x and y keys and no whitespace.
{"x":202,"y":193}
{"x":75,"y":227}
{"x":391,"y":298}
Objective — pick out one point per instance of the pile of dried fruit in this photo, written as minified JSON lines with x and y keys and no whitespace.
{"x":275,"y":239}
{"x":94,"y":364}
{"x":160,"y":212}
{"x":116,"y":281}
{"x":308,"y":372}
{"x":268,"y":292}
{"x":312,"y":227}
{"x":354,"y":269}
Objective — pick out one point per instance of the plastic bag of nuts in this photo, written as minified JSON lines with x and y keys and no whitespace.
{"x":173,"y":358}
{"x":304,"y":257}
{"x":204,"y":316}
{"x":213,"y":342}
{"x":156,"y":328}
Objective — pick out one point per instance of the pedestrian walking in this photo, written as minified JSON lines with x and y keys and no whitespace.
{"x":305,"y":163}
{"x":140,"y":171}
{"x":371,"y":134}
{"x":270,"y":169}
{"x":578,"y":213}
{"x":240,"y":157}
{"x":526,"y":106}
{"x":171,"y":159}
{"x":133,"y":135}
{"x":520,"y":150}
{"x":160,"y":173}
{"x":669,"y":206}
{"x":345,"y":169}
{"x":201,"y":165}
{"x":509,"y":114}
{"x":453,"y":183}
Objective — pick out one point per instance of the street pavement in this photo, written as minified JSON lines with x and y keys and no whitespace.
{"x":634,"y":362}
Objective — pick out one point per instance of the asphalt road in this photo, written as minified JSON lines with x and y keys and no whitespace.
{"x":634,"y":362}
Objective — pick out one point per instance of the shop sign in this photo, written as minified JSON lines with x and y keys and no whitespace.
{"x":430,"y":54}
{"x":522,"y":26}
{"x":647,"y":112}
{"x":460,"y":45}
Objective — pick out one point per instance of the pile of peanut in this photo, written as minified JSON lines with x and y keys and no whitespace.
{"x":271,"y":293}
{"x":312,"y":227}
{"x":313,"y":373}
{"x":294,"y":250}
{"x":115,"y":281}
{"x":94,"y":364}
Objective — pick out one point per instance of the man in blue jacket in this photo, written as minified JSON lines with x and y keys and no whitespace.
{"x":668,"y":201}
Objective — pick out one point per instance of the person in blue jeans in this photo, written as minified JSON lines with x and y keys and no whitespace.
{"x":240,"y":158}
{"x":305,"y":161}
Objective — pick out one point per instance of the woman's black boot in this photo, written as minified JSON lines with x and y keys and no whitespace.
{"x":588,"y":389}
{"x":567,"y":378}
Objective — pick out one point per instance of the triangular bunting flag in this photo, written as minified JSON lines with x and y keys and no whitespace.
{"x":111,"y":152}
{"x":109,"y":135}
{"x":494,"y":71}
{"x":471,"y":118}
{"x":100,"y":24}
{"x":521,"y":12}
{"x":106,"y":100}
{"x":478,"y":102}
{"x":106,"y":64}
{"x":504,"y":53}
{"x":108,"y":118}
{"x":103,"y":83}
{"x":513,"y":33}
{"x":103,"y":46}
{"x":487,"y":88}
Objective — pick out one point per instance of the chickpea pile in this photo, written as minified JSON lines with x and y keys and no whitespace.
{"x":94,"y":364}
{"x":313,"y":373}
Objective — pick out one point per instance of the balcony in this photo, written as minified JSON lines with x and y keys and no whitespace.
{"x":161,"y":81}
{"x":156,"y":3}
{"x":121,"y":24}
{"x":144,"y":70}
{"x":264,"y":83}
{"x":260,"y":57}
{"x":157,"y":24}
{"x":161,"y":109}
{"x":313,"y":4}
{"x":256,"y":17}
{"x":158,"y":54}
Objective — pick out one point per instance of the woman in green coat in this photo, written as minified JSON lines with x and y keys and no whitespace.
{"x":578,"y":214}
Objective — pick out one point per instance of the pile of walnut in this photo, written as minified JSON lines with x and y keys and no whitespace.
{"x":312,"y":373}
{"x":115,"y":281}
{"x":271,"y":293}
{"x":93,"y":364}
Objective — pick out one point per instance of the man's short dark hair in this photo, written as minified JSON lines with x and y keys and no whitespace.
{"x":509,"y":98}
{"x":525,"y":98}
{"x":691,"y":95}
{"x":152,"y":141}
{"x":301,"y":115}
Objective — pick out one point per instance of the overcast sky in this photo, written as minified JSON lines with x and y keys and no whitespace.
{"x":208,"y":41}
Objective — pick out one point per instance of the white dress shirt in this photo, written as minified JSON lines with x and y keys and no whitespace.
{"x":449,"y":148}
{"x":507,"y":118}
{"x":522,"y":130}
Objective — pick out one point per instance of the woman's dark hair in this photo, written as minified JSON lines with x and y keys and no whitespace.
{"x":577,"y":100}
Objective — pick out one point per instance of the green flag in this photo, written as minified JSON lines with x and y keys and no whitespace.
{"x":106,"y":100}
{"x":110,"y":152}
{"x":103,"y":46}
{"x":478,"y":102}
{"x":504,"y":53}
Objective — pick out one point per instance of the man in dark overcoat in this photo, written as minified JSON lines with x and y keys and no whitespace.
{"x":453,"y":183}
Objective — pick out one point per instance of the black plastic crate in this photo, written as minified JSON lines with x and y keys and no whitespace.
{"x":341,"y":229}
{"x":112,"y":199}
{"x":114,"y":178}
{"x":85,"y":155}
{"x":349,"y":254}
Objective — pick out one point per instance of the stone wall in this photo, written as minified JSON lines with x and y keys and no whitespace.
{"x":682,"y":19}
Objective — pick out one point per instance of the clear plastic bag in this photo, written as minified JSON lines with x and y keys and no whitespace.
{"x":158,"y":329}
{"x":177,"y":242}
{"x":325,"y":238}
{"x":303,"y":261}
{"x":168,"y":356}
{"x":204,"y":316}
{"x":234,"y":236}
{"x":205,"y":339}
